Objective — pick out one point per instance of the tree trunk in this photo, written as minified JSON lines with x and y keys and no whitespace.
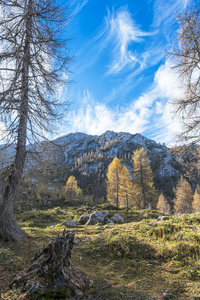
{"x":117,"y":179}
{"x":9,"y":229}
{"x":143,"y":204}
{"x":50,"y":276}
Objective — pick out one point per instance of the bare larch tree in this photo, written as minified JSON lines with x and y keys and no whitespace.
{"x":33,"y":58}
{"x":186,"y":56}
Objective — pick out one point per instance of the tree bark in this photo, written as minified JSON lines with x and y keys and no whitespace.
{"x":9,"y":229}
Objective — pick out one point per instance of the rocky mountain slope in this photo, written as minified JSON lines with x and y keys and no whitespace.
{"x":87,"y":158}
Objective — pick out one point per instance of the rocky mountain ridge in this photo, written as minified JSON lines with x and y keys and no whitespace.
{"x":87,"y":158}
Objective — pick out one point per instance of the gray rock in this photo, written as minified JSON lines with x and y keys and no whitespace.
{"x":70,"y":223}
{"x":162,"y":218}
{"x":109,"y":221}
{"x":83,"y":219}
{"x":97,"y":217}
{"x":117,"y":219}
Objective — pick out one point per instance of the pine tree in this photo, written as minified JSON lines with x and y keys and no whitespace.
{"x":196,"y":200}
{"x":71,"y":191}
{"x":115,"y":180}
{"x":163,"y":205}
{"x":143,"y":180}
{"x":183,"y":197}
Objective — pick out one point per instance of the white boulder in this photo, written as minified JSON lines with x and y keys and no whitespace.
{"x":117,"y":219}
{"x":83,"y":219}
{"x":97,"y":217}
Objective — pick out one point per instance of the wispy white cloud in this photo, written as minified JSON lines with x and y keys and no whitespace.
{"x":152,"y":112}
{"x":168,"y":87}
{"x":129,"y":51}
{"x":117,"y":35}
{"x":165,"y":10}
{"x":78,"y":5}
{"x":96,"y":118}
{"x":167,"y":81}
{"x":123,"y":32}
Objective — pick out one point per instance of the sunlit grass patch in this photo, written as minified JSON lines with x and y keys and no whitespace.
{"x":136,"y":259}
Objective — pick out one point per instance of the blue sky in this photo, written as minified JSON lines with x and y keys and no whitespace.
{"x":123,"y":80}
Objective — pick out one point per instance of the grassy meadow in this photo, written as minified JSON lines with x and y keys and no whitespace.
{"x":141,"y":259}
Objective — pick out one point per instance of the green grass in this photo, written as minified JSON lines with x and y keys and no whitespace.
{"x":140,"y":259}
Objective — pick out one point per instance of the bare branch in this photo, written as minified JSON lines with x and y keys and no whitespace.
{"x":187,"y":63}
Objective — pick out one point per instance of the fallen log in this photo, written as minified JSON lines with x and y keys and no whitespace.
{"x":50,"y":275}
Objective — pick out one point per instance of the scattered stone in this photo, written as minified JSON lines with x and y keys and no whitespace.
{"x":97,"y":217}
{"x":83,"y":219}
{"x":70,"y":223}
{"x":162,"y":218}
{"x":117,"y":219}
{"x":109,"y":221}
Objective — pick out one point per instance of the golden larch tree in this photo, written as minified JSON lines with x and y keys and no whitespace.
{"x":144,"y":189}
{"x":183,"y":197}
{"x":196,"y":200}
{"x":126,"y":190}
{"x":114,"y":182}
{"x":71,"y":191}
{"x":163,"y":205}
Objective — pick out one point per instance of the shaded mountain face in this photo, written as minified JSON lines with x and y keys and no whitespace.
{"x":87,"y":158}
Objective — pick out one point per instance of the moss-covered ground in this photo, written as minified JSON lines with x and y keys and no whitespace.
{"x":141,"y":259}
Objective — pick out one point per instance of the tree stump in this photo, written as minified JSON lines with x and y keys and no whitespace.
{"x":50,"y":275}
